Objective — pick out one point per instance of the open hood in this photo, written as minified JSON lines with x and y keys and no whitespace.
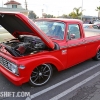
{"x":18,"y":24}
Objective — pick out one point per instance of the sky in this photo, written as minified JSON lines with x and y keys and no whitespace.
{"x":59,"y":7}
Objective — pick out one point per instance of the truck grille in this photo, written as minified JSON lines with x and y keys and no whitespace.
{"x":4,"y":62}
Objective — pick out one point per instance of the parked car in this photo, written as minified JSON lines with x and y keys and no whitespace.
{"x":97,"y":23}
{"x":34,"y":52}
{"x":90,"y":26}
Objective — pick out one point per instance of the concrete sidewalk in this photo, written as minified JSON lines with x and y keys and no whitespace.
{"x":5,"y":36}
{"x":2,"y":31}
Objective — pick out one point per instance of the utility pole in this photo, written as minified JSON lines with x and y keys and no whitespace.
{"x":26,"y":4}
{"x":42,"y":13}
{"x":2,"y":3}
{"x":82,"y":10}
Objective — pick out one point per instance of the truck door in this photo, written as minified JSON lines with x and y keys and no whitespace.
{"x":76,"y":50}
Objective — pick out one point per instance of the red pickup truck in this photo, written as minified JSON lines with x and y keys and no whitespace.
{"x":44,"y":45}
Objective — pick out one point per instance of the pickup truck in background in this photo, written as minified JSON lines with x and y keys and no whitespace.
{"x":44,"y":45}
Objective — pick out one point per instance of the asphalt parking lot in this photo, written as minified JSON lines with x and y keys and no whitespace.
{"x":81,"y":82}
{"x":65,"y":85}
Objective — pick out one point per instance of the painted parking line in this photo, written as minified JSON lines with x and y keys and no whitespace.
{"x":60,"y":83}
{"x":75,"y":87}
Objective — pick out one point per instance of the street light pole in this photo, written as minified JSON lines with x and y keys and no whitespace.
{"x":2,"y":3}
{"x":82,"y":10}
{"x":26,"y":4}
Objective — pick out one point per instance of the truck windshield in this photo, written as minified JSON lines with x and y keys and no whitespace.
{"x":53,"y":30}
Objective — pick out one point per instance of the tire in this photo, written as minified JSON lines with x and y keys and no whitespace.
{"x":41,"y":75}
{"x":97,"y":56}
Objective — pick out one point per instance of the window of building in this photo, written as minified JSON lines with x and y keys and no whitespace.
{"x":14,"y":6}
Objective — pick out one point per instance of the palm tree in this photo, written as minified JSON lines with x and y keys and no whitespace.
{"x":72,"y":15}
{"x":98,"y":9}
{"x":77,"y":13}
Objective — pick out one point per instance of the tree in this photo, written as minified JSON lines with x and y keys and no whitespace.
{"x":64,"y":16}
{"x":48,"y":16}
{"x":76,"y":13}
{"x":98,"y":9}
{"x":32,"y":15}
{"x":72,"y":15}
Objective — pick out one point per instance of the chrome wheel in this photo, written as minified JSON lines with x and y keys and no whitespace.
{"x":98,"y":55}
{"x":41,"y":75}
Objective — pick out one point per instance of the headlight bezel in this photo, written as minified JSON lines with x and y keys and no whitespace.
{"x":7,"y":65}
{"x":13,"y":68}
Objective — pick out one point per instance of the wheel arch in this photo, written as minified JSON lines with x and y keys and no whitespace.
{"x":96,"y":56}
{"x":54,"y":62}
{"x":98,"y":48}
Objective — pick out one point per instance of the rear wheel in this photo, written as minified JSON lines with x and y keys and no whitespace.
{"x":97,"y":56}
{"x":41,"y":75}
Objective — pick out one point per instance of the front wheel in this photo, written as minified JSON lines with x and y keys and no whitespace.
{"x":41,"y":75}
{"x":97,"y":56}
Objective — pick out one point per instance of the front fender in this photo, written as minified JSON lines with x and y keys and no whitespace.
{"x":33,"y":63}
{"x":46,"y":59}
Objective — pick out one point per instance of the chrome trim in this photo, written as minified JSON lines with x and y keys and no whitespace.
{"x":63,"y":47}
{"x":78,"y":44}
{"x":6,"y":61}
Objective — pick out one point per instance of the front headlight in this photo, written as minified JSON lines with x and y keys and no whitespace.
{"x":13,"y":68}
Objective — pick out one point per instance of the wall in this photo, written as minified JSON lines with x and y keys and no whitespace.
{"x":10,"y":6}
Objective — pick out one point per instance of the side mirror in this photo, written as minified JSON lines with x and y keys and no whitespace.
{"x":72,"y":36}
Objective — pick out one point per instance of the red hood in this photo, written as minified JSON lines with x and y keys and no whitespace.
{"x":18,"y":24}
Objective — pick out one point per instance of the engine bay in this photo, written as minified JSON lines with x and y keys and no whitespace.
{"x":24,"y":45}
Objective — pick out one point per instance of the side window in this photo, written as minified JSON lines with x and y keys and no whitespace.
{"x":73,"y":31}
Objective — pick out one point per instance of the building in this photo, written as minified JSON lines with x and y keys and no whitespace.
{"x":14,"y":6}
{"x":87,"y":19}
